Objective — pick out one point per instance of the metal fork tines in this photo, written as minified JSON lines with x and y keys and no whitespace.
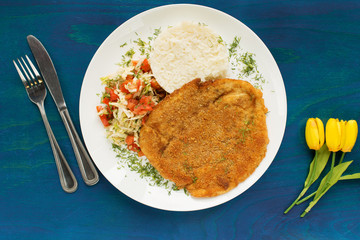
{"x":36,"y":91}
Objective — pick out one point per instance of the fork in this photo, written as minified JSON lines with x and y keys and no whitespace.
{"x":36,"y":92}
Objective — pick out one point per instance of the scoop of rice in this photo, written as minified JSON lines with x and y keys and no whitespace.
{"x":185,"y":52}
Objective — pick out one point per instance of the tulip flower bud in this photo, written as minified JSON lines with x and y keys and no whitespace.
{"x":351,"y":131}
{"x":333,"y":134}
{"x":314,"y":133}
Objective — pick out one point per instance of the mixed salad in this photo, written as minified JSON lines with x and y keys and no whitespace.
{"x":130,"y":95}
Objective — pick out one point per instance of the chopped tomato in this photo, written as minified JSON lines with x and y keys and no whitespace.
{"x":129,"y":77}
{"x":113,"y":96}
{"x":146,"y":100}
{"x":129,"y":139}
{"x":134,"y":147}
{"x":122,"y":86}
{"x":132,"y":103}
{"x":104,"y":120}
{"x":144,"y":119}
{"x":142,"y":109}
{"x":142,"y":106}
{"x":134,"y":62}
{"x":131,"y":145}
{"x":106,"y":100}
{"x":99,"y":108}
{"x":155,"y":84}
{"x":129,"y":96}
{"x":103,"y":117}
{"x":132,"y":85}
{"x":145,"y":66}
{"x":139,"y":85}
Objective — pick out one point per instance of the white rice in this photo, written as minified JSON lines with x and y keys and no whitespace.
{"x":185,"y":52}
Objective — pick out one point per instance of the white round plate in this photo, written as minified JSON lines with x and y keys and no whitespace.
{"x":104,"y":63}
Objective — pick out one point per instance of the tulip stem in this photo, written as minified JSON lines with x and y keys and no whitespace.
{"x":305,"y":198}
{"x":331,"y":170}
{"x":333,"y":161}
{"x":342,"y":157}
{"x":306,"y":187}
{"x":293,"y":204}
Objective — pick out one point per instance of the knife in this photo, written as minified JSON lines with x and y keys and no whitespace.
{"x":47,"y":69}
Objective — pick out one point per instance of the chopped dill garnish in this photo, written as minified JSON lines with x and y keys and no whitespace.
{"x":220,"y":40}
{"x":157,"y":31}
{"x":143,"y":168}
{"x":250,"y":64}
{"x":130,"y":53}
{"x":202,"y":24}
{"x":140,"y":42}
{"x":233,"y":46}
{"x":123,"y":45}
{"x":245,"y":64}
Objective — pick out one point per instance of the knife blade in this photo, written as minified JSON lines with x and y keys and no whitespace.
{"x":47,"y":69}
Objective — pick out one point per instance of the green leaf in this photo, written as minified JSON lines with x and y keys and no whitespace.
{"x":321,"y":158}
{"x":331,"y":178}
{"x":351,"y":176}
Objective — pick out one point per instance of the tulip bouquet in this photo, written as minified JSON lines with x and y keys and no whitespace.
{"x":340,"y":136}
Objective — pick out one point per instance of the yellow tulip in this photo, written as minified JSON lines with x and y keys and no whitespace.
{"x":350,"y":135}
{"x":333,"y":134}
{"x":314,"y":133}
{"x":342,"y":133}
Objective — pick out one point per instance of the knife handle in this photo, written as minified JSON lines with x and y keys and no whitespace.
{"x":86,"y":166}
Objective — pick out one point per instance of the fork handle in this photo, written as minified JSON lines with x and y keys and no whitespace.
{"x":67,"y":178}
{"x":86,"y":166}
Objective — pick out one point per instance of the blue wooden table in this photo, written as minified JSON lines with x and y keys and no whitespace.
{"x":316,"y":45}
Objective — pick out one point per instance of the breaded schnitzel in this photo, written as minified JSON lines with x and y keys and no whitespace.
{"x":208,"y":136}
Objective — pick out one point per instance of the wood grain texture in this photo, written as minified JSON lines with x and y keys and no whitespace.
{"x":316,"y":45}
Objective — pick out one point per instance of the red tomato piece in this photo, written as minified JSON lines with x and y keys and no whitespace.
{"x":113,"y":96}
{"x":135,"y":148}
{"x":134,"y":62}
{"x":132,"y":103}
{"x":104,"y":120}
{"x":145,"y":66}
{"x":99,"y":108}
{"x":138,"y":84}
{"x":129,"y":77}
{"x":140,"y":153}
{"x":142,"y":109}
{"x":144,"y":119}
{"x":106,"y":100}
{"x":129,"y":139}
{"x":146,"y":100}
{"x":122,"y":86}
{"x":129,"y":96}
{"x":155,"y":84}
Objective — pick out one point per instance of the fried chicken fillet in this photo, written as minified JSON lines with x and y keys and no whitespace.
{"x":208,"y":136}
